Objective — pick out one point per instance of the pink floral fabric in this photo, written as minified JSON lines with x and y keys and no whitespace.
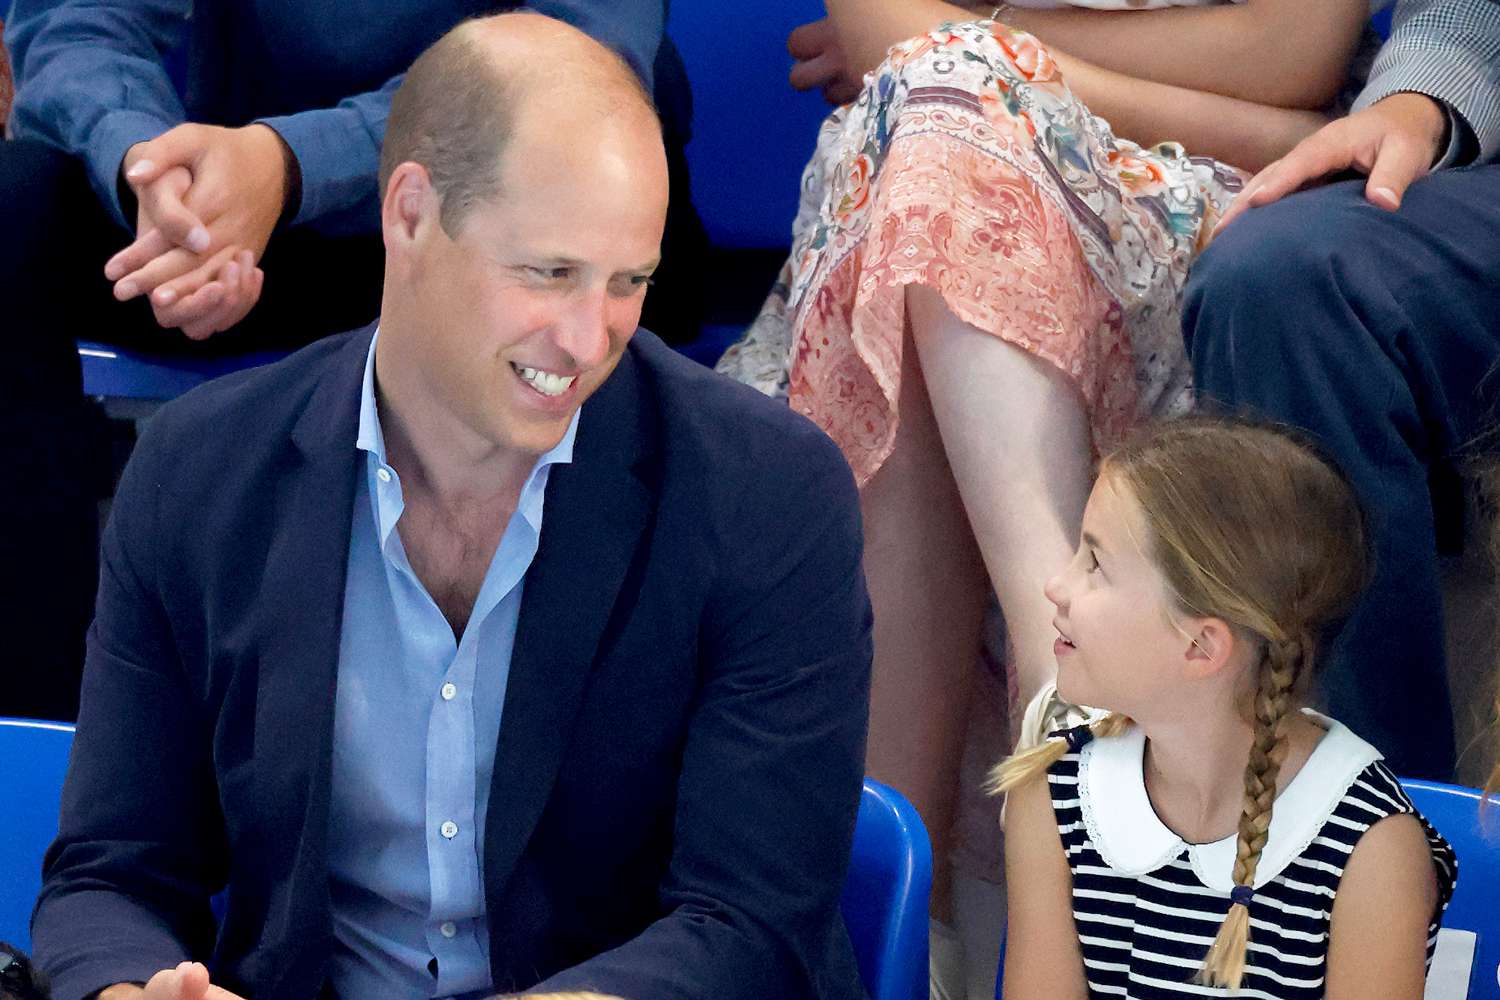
{"x":967,"y":166}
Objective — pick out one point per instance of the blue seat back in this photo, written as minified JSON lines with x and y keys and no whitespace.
{"x":35,"y":758}
{"x":1475,"y":836}
{"x":885,"y":897}
{"x":884,"y":901}
{"x":120,"y":373}
{"x":752,"y":134}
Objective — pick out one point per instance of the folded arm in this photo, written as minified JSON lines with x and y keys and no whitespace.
{"x":1235,"y":129}
{"x":1280,"y":53}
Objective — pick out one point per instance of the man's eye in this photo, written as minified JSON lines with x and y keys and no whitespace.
{"x":551,"y":273}
{"x":632,"y":285}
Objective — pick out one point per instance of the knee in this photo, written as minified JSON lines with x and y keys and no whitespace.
{"x":1266,"y":287}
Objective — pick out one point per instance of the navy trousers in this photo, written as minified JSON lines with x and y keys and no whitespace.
{"x":1378,"y":333}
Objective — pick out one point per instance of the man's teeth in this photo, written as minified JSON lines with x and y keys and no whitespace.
{"x":545,"y":382}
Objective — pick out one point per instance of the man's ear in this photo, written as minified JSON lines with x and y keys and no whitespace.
{"x":410,"y":207}
{"x":1210,"y":646}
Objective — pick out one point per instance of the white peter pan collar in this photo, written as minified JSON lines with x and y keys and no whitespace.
{"x":1133,"y":840}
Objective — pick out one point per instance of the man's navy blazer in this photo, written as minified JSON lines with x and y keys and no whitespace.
{"x":682,"y":739}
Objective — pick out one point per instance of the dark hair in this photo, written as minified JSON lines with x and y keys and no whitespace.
{"x":18,"y":979}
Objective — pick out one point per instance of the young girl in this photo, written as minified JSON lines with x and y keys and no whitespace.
{"x":1210,"y":831}
{"x":984,"y":289}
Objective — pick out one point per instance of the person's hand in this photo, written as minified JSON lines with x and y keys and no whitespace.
{"x":212,"y":296}
{"x":821,"y":62}
{"x":197,"y":246}
{"x":189,"y":981}
{"x":1394,"y":141}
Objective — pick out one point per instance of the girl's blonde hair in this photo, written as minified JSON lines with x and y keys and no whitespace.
{"x":1248,"y":525}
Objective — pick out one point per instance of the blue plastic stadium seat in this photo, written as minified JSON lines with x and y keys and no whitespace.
{"x":118,"y":373}
{"x":884,"y":901}
{"x":885,"y":896}
{"x":1475,"y":835}
{"x":752,"y":134}
{"x":35,"y":756}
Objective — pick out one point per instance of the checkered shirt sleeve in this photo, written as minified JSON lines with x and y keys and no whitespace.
{"x":1448,"y":50}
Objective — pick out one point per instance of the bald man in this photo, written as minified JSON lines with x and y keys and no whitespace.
{"x":493,"y":648}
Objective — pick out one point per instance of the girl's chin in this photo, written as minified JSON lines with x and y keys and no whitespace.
{"x":1068,"y":688}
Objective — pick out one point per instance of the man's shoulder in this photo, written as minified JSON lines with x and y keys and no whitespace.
{"x":706,"y":416}
{"x":260,"y":404}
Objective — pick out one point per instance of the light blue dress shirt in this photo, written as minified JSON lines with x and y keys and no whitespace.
{"x":416,"y":720}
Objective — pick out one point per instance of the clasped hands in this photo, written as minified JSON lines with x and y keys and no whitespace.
{"x":208,"y":199}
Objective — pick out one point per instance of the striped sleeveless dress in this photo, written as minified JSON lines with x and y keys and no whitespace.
{"x":1147,"y":904}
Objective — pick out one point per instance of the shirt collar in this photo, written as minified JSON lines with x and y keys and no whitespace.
{"x":1133,"y":840}
{"x":371,"y":439}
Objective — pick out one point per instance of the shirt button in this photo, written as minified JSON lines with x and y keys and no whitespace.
{"x":450,"y":690}
{"x":448,"y":928}
{"x":449,"y":829}
{"x":384,"y":475}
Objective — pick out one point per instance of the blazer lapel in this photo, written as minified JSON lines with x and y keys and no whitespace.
{"x":301,"y":612}
{"x":597,"y":509}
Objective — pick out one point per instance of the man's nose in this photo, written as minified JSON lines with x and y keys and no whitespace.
{"x":584,"y":330}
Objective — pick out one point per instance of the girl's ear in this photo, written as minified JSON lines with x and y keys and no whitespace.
{"x":1211,"y":644}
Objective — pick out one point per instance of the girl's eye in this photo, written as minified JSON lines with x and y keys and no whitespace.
{"x":1093,"y":561}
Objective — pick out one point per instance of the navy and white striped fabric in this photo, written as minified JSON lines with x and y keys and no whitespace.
{"x":1147,"y":905}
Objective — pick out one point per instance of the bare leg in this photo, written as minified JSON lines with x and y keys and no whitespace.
{"x":927,"y":587}
{"x":1017,"y":440}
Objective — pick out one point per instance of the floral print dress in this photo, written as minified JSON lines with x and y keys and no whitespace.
{"x":966,"y":165}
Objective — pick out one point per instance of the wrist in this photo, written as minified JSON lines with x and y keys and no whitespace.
{"x":291,"y":176}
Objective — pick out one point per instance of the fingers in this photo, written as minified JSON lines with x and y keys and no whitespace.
{"x":811,"y":39}
{"x":174,"y":302}
{"x":183,"y":271}
{"x":1314,"y":158}
{"x":818,"y":71}
{"x":146,"y":248}
{"x":151,"y":160}
{"x":1397,"y":163}
{"x":222,"y":303}
{"x":161,"y":201}
{"x":1241,"y":201}
{"x":188,"y":981}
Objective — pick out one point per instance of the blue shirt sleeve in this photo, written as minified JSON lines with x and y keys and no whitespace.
{"x":90,"y":79}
